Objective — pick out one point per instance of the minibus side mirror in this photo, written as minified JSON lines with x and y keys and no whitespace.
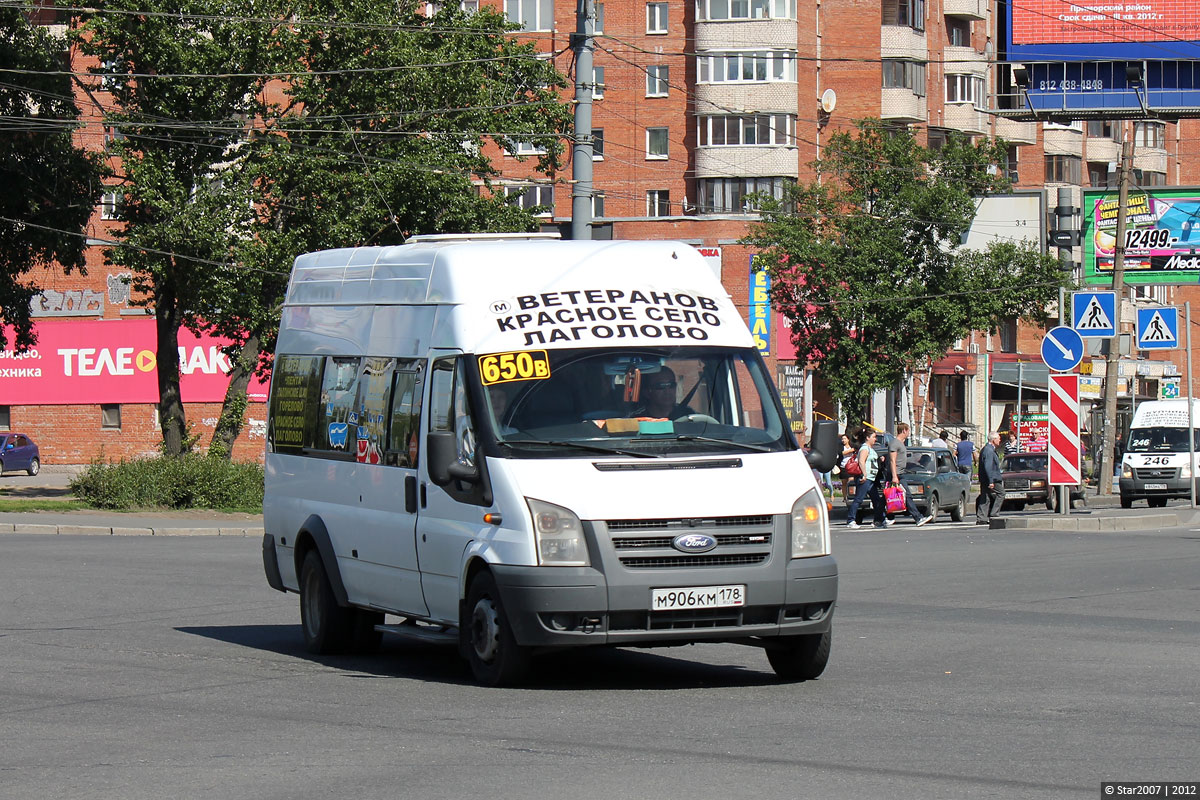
{"x":824,"y":451}
{"x":444,"y":465}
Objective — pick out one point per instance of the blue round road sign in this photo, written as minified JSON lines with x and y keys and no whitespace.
{"x":1062,"y":349}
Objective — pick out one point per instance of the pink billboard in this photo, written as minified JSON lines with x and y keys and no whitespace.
{"x":111,"y":361}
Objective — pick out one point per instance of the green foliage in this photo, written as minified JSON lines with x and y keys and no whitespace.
{"x":190,"y":481}
{"x":50,"y":186}
{"x":868,"y":264}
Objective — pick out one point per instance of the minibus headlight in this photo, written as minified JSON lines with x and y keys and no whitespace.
{"x":558,"y":534}
{"x":1126,"y":471}
{"x":1185,"y":471}
{"x":810,"y":531}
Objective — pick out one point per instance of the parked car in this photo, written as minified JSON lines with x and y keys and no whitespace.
{"x":18,"y":451}
{"x":934,"y":482}
{"x":1026,"y":481}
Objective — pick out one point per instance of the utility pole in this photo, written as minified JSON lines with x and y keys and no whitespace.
{"x":1110,"y":368}
{"x":583,"y":43}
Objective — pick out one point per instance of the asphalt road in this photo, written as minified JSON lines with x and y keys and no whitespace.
{"x":967,"y":663}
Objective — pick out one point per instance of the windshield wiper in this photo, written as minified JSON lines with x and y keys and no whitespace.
{"x":580,"y":446}
{"x":687,"y":437}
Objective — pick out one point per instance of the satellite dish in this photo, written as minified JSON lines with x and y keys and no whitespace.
{"x":828,"y":101}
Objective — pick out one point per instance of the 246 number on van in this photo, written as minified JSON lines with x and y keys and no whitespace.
{"x":523,"y":365}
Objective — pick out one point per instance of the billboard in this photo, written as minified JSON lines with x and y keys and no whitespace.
{"x":111,"y":361}
{"x":1162,"y":236}
{"x":1103,"y":30}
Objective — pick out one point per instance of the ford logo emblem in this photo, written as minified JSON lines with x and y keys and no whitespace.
{"x":693,"y":543}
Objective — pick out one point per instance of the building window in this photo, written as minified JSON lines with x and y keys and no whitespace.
{"x":761,"y":129}
{"x":1012,"y":158}
{"x":656,"y":80}
{"x":529,"y":149}
{"x":656,"y":17}
{"x":599,"y":18}
{"x":469,"y":6}
{"x":110,"y":415}
{"x":1099,"y":176}
{"x":958,"y":32}
{"x":1008,"y":336}
{"x":5,"y":418}
{"x":1073,"y":125}
{"x":597,"y":83}
{"x":905,"y":12}
{"x":1063,"y":169}
{"x":538,"y":199}
{"x":729,"y":195}
{"x":749,"y":67}
{"x":532,"y":15}
{"x":658,"y":203}
{"x":1150,"y":134}
{"x":656,"y":143}
{"x":597,"y":144}
{"x":904,"y":75}
{"x":745,"y":9}
{"x":1104,"y":129}
{"x":111,"y":204}
{"x":966,"y":89}
{"x":1144,"y":177}
{"x":598,"y":205}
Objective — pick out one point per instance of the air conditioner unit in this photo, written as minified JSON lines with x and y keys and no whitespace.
{"x":973,"y":348}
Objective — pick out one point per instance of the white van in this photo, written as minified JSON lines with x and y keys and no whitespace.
{"x":515,"y":444}
{"x":1157,"y":465}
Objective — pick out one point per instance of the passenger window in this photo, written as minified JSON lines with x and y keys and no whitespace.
{"x":295,"y":397}
{"x":374,"y":398}
{"x":404,"y":432}
{"x":450,"y":410}
{"x":339,"y":417}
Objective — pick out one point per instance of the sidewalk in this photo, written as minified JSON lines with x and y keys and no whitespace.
{"x":52,"y":484}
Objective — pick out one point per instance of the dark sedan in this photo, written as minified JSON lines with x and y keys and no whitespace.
{"x":1025,"y":481}
{"x":17,"y":452}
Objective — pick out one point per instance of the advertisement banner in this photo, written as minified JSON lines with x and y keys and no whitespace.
{"x":1053,"y":30}
{"x":1033,"y":431}
{"x":111,"y":361}
{"x":760,"y":308}
{"x":1162,"y":236}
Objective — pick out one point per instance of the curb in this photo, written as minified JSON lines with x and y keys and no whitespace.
{"x":1143,"y":522}
{"x":99,"y":530}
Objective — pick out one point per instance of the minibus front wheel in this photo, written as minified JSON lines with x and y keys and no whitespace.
{"x":800,"y":658}
{"x":495,"y":657}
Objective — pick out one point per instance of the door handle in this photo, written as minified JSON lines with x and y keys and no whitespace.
{"x":410,"y":494}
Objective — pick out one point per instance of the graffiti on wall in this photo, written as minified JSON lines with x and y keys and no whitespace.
{"x":68,"y":303}
{"x":118,"y":288}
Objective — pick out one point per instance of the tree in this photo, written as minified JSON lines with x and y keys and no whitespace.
{"x":51,"y":187}
{"x":868,"y":264}
{"x":249,"y":141}
{"x":380,"y":133}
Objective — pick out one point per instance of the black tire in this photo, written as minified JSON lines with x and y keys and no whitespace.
{"x":365,"y":639}
{"x":1126,"y":502}
{"x":495,"y":657}
{"x":959,"y":512}
{"x":35,"y":467}
{"x":1052,"y":498}
{"x":328,"y":627}
{"x":932,"y":510}
{"x":801,"y":658}
{"x":1018,"y":505}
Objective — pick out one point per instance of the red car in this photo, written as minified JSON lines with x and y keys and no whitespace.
{"x":17,"y":452}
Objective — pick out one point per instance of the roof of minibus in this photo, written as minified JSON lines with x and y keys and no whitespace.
{"x":453,"y":270}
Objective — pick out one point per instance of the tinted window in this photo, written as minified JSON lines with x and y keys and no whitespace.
{"x":295,"y":394}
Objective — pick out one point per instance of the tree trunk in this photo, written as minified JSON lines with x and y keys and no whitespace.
{"x":170,"y":402}
{"x":233,"y":410}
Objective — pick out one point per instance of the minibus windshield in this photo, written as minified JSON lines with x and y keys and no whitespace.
{"x":629,"y":401}
{"x":1159,"y":440}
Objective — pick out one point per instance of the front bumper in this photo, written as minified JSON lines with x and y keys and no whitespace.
{"x":1142,"y":488}
{"x":580,"y":606}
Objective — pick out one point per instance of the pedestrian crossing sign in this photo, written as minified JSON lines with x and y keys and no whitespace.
{"x":1094,"y":313}
{"x":1158,"y":328}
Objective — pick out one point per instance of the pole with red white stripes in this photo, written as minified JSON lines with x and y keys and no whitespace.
{"x":1063,"y":447}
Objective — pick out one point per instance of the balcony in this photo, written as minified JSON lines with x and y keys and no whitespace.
{"x":965,"y":118}
{"x":901,"y":41}
{"x":1016,"y":132}
{"x":966,"y":61}
{"x":902,"y":105}
{"x":732,"y":34}
{"x":967,"y":9}
{"x":1102,"y":148}
{"x":774,"y":97}
{"x":747,"y":161}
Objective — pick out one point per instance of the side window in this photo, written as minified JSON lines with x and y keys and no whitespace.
{"x":339,"y":390}
{"x":405,"y":426}
{"x":371,"y":408}
{"x":946,"y":462}
{"x":449,"y":409}
{"x":295,"y":396}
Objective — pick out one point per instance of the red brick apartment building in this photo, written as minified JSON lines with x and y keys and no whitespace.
{"x":696,"y":105}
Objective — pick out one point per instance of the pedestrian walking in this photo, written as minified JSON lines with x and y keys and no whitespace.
{"x":848,"y":481}
{"x":964,"y":453}
{"x":868,"y":483}
{"x":991,"y":484}
{"x":897,"y":460}
{"x":942,"y":440}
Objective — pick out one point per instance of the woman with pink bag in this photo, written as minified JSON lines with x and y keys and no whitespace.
{"x":897,"y":458}
{"x":868,"y":466}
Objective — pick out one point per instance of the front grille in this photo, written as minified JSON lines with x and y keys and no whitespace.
{"x":744,"y":540}
{"x":663,"y":562}
{"x":692,"y":619}
{"x":1149,"y":473}
{"x":1016,"y":483}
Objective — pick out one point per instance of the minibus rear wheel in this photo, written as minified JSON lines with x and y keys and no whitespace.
{"x":328,"y":627}
{"x":495,"y":657}
{"x":800,"y":658}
